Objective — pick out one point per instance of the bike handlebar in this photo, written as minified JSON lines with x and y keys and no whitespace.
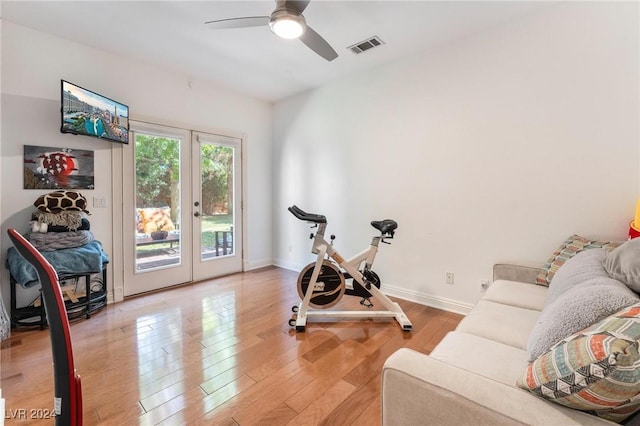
{"x":309,"y":217}
{"x":386,"y":227}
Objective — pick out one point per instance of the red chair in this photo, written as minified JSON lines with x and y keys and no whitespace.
{"x":67,"y":386}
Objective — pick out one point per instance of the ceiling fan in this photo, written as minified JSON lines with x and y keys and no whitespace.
{"x":286,"y":21}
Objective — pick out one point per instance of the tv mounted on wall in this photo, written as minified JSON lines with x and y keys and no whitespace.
{"x":87,"y":113}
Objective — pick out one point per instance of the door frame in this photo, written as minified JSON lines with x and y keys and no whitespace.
{"x":117,"y":205}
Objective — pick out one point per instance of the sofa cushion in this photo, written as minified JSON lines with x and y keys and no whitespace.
{"x":491,"y":359}
{"x":506,"y":324}
{"x":623,"y":264}
{"x":517,"y":273}
{"x":523,"y":295}
{"x":577,"y":309}
{"x":595,"y":370}
{"x":570,"y":247}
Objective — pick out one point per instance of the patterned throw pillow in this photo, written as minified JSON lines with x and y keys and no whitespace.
{"x":573,"y":245}
{"x":153,"y":219}
{"x":596,"y":370}
{"x":57,"y":201}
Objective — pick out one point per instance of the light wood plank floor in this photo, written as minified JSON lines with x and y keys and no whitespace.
{"x":219,"y":352}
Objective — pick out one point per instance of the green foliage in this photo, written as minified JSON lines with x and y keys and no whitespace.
{"x":158,"y":174}
{"x":157,"y":170}
{"x":216,"y":166}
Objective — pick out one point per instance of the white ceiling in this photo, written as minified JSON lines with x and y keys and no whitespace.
{"x":172,"y":34}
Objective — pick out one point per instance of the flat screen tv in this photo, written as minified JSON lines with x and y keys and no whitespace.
{"x":87,"y":113}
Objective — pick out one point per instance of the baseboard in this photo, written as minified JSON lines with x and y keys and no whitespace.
{"x":424,"y":299}
{"x":445,"y":304}
{"x":291,"y":266}
{"x":250,"y":265}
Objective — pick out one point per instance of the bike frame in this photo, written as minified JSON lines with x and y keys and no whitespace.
{"x":322,"y":249}
{"x":350,"y":265}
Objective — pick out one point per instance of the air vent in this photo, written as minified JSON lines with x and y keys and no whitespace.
{"x":365,"y":45}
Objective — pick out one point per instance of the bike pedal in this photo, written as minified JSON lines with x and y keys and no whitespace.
{"x":367,"y":303}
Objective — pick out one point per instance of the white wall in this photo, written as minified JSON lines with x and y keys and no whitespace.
{"x":491,"y":149}
{"x":33,"y":64}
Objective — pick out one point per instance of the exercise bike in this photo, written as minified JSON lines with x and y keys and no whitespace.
{"x":322,"y":284}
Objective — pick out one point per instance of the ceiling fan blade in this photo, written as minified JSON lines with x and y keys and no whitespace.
{"x":248,"y":21}
{"x":299,"y":5}
{"x":315,"y":42}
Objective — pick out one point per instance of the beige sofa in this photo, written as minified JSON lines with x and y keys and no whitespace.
{"x":470,"y":377}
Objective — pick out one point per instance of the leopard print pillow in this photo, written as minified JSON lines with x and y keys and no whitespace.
{"x":57,"y":201}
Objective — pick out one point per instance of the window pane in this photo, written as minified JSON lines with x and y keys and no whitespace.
{"x":216,"y":224}
{"x":157,"y":201}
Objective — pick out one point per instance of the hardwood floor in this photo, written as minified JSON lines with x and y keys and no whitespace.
{"x":219,"y":352}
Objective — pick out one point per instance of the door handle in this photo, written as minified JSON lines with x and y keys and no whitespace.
{"x":197,"y":214}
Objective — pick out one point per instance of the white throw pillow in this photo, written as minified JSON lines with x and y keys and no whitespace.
{"x":577,"y":270}
{"x":577,"y":309}
{"x":580,"y":294}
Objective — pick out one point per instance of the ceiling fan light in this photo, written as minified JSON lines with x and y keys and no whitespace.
{"x":288,"y":26}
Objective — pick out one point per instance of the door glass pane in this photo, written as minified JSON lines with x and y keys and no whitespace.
{"x":157,"y":202}
{"x":216,"y":195}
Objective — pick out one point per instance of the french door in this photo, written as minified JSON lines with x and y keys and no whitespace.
{"x":182,"y":207}
{"x":217,"y":205}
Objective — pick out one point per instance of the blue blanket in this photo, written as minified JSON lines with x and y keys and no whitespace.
{"x":83,"y":260}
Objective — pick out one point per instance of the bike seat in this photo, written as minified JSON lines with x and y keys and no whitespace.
{"x":386,"y":226}
{"x":309,"y":217}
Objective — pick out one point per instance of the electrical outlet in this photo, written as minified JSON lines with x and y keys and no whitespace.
{"x":484,"y":285}
{"x":449,"y":278}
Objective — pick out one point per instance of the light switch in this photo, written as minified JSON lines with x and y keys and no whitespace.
{"x":99,"y":202}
